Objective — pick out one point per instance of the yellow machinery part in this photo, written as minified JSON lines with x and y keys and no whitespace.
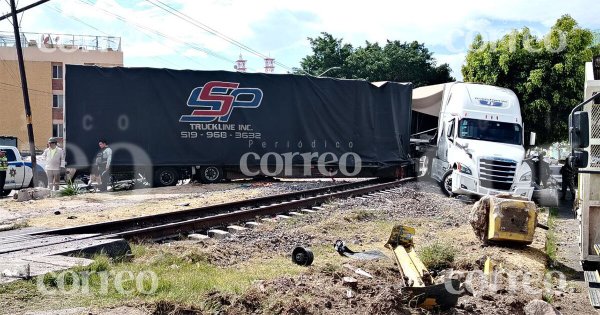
{"x":408,"y":267}
{"x":512,"y":220}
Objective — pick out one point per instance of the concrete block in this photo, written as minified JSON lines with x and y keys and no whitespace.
{"x":198,"y":237}
{"x":235,"y":229}
{"x":218,"y":234}
{"x":251,"y":224}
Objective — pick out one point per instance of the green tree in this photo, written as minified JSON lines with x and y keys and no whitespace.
{"x":396,"y":61}
{"x":546,"y":73}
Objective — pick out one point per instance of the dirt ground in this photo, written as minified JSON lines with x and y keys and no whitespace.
{"x":90,"y":208}
{"x":319,"y":289}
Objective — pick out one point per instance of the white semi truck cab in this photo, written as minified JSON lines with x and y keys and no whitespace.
{"x":479,"y":139}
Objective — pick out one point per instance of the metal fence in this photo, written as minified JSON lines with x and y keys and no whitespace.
{"x":68,"y":41}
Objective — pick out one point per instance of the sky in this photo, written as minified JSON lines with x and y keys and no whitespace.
{"x":218,"y":31}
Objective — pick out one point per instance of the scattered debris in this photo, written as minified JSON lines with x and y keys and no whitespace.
{"x":349,"y":281}
{"x":539,"y":307}
{"x":358,"y":270}
{"x":302,"y":256}
{"x":343,"y":250}
{"x":71,"y":217}
{"x":514,"y":219}
{"x":417,"y":280}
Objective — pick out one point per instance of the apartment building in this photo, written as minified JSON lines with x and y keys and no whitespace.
{"x":46,"y":56}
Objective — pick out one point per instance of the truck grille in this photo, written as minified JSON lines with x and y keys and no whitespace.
{"x":496,"y":174}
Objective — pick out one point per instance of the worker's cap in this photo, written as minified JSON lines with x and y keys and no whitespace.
{"x":52,"y":140}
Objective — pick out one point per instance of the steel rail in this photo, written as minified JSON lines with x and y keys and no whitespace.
{"x":112,"y":227}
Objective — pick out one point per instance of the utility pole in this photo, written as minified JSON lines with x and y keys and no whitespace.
{"x":13,"y":9}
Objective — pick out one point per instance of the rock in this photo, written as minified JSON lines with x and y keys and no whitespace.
{"x":198,"y":237}
{"x":71,"y":217}
{"x":539,"y":307}
{"x":349,"y":281}
{"x":56,"y":212}
{"x":27,"y":194}
{"x":479,"y":217}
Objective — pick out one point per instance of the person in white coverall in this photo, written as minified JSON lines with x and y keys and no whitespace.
{"x":55,"y":158}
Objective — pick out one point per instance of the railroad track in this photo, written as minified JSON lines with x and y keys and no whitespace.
{"x":53,"y":250}
{"x":174,"y":224}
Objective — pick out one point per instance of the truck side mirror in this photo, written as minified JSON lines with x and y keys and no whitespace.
{"x":579,"y":130}
{"x":532,"y":138}
{"x":579,"y":159}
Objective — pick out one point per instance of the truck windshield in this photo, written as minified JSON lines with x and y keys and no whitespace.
{"x":488,"y":130}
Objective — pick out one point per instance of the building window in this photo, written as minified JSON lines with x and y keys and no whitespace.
{"x":57,"y":101}
{"x":57,"y":130}
{"x":57,"y":72}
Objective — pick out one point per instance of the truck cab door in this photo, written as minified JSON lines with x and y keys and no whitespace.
{"x":15,"y":172}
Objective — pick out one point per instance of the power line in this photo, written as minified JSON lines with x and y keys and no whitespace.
{"x":195,"y":47}
{"x":101,"y":31}
{"x":30,"y":89}
{"x":212,"y":31}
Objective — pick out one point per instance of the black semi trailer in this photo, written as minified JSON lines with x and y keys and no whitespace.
{"x":212,"y":125}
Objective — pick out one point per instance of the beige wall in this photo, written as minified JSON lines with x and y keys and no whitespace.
{"x":64,"y":55}
{"x":39,"y":76}
{"x":12,"y":110}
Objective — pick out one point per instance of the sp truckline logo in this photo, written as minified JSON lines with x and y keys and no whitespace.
{"x":217,"y":99}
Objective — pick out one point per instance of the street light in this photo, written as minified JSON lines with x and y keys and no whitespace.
{"x":332,"y":68}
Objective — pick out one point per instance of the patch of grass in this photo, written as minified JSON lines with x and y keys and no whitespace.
{"x":71,"y":190}
{"x":437,"y":256}
{"x":182,"y":278}
{"x":551,"y":247}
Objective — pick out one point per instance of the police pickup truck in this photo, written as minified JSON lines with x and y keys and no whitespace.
{"x":20,"y":173}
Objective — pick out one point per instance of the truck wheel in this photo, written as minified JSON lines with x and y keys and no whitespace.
{"x":4,"y":193}
{"x":166,"y":176}
{"x":446,"y":184}
{"x":211,"y":174}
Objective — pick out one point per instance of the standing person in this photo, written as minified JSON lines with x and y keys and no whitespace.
{"x":55,"y":158}
{"x":568,"y":178}
{"x":3,"y":168}
{"x":544,"y":169}
{"x":103,"y":159}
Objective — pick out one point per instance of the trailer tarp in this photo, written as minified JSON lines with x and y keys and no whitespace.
{"x":184,"y":117}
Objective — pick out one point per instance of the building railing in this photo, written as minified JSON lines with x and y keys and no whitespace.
{"x":67,"y":41}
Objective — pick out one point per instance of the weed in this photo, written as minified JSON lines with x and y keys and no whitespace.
{"x":71,"y":190}
{"x":437,"y":256}
{"x":551,"y":247}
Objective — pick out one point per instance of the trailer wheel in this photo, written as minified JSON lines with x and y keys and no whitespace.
{"x":166,"y":176}
{"x":446,"y":183}
{"x":42,"y":181}
{"x":211,"y":174}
